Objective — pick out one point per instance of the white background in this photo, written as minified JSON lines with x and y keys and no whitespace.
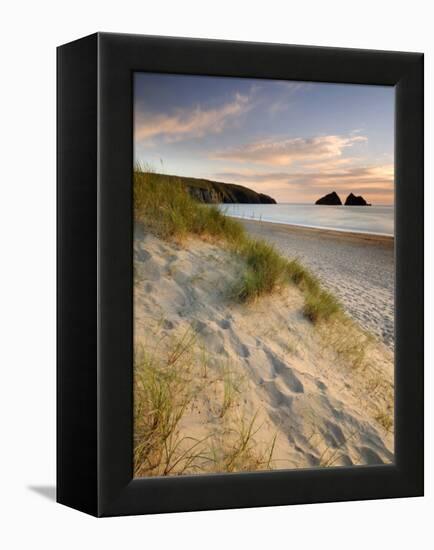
{"x":30,"y":31}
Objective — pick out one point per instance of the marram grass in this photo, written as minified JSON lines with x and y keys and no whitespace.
{"x":166,"y":387}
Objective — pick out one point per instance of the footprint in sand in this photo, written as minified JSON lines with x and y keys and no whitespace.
{"x":224,"y":324}
{"x":213,"y":339}
{"x":141,"y":255}
{"x":241,"y":349}
{"x":320,"y":385}
{"x":286,"y":373}
{"x":277,"y":398}
{"x":199,"y":326}
{"x":168,"y":325}
{"x":369,"y":456}
{"x":151,"y":270}
{"x":334,"y":434}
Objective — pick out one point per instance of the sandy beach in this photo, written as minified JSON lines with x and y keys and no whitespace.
{"x":357,"y":268}
{"x":263,"y":275}
{"x":263,"y":369}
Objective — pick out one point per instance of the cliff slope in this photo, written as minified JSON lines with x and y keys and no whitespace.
{"x":209,"y":191}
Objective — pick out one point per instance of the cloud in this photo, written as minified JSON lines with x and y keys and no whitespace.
{"x":286,"y":98}
{"x":195,"y":122}
{"x":294,"y":85}
{"x":286,"y":151}
{"x":366,"y":175}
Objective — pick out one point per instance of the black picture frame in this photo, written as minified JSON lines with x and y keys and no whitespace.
{"x":95,"y":327}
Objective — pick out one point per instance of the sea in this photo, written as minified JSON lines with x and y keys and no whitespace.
{"x":375,"y":220}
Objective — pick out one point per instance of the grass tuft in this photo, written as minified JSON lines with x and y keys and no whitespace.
{"x":167,"y":209}
{"x":348,"y":340}
{"x":320,"y":306}
{"x":162,"y":392}
{"x":236,"y":449}
{"x":385,"y":419}
{"x":266,"y":270}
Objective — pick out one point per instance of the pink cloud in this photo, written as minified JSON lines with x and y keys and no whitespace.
{"x":286,"y":151}
{"x":194,"y":122}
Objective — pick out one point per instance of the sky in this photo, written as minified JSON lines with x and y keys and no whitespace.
{"x":295,"y":141}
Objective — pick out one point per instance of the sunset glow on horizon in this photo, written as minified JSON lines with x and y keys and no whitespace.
{"x":295,"y":141}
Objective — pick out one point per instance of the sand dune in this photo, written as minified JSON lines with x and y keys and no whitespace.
{"x":317,"y":408}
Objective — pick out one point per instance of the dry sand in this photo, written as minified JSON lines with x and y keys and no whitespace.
{"x":322,"y":410}
{"x":358,"y":268}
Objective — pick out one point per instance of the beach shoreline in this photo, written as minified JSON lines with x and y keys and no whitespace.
{"x":379,"y":238}
{"x":357,"y":267}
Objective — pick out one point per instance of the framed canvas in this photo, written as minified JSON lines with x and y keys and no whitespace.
{"x":240,"y":274}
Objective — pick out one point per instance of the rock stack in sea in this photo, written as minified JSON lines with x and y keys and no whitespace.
{"x":333,"y":199}
{"x":330,"y":199}
{"x":353,"y":200}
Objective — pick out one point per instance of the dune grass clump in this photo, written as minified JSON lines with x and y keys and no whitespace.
{"x":169,"y":211}
{"x":167,"y":386}
{"x":385,"y":419}
{"x":302,"y":277}
{"x":265,"y":272}
{"x":348,"y":340}
{"x":163,"y":389}
{"x":236,"y":450}
{"x":320,"y":305}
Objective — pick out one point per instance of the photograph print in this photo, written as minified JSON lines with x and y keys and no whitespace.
{"x":263,"y":275}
